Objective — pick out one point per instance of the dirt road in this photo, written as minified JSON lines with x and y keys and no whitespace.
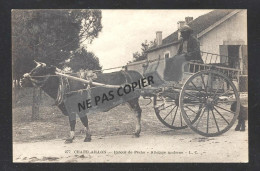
{"x":42,"y":141}
{"x":170,"y":146}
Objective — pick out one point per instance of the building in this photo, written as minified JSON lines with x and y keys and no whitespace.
{"x":222,"y":32}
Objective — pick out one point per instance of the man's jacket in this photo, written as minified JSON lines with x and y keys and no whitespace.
{"x":193,"y":49}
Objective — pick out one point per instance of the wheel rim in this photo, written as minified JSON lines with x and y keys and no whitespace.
{"x":168,"y":112}
{"x":210,"y":95}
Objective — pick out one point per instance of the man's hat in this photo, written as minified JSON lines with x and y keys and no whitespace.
{"x":186,"y":28}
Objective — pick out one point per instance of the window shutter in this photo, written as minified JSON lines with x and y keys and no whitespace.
{"x":244,"y":60}
{"x":223,"y":51}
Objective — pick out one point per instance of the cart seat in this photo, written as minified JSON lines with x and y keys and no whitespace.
{"x":174,"y":68}
{"x":151,"y":70}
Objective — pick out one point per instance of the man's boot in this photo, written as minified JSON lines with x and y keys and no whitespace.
{"x":243,"y":125}
{"x":238,"y":125}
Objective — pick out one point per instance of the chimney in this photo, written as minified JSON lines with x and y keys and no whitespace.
{"x":158,"y":38}
{"x":188,"y":19}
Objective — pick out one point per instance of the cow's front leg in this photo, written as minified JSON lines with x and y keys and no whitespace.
{"x":84,"y":120}
{"x":138,"y":124}
{"x":134,"y":105}
{"x":72,"y":131}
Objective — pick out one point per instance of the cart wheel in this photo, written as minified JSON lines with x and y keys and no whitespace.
{"x":210,"y":94}
{"x":168,"y":112}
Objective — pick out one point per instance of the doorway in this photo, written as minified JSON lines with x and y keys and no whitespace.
{"x":230,"y":55}
{"x":233,"y":56}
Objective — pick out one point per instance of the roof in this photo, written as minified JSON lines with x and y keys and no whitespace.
{"x":198,"y":25}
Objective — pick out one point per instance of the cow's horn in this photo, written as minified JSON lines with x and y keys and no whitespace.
{"x":35,"y":62}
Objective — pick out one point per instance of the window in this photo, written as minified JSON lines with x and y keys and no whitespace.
{"x":167,"y":54}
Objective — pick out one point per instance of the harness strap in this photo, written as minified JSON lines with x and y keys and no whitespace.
{"x":126,"y":74}
{"x":37,"y":83}
{"x":64,"y":87}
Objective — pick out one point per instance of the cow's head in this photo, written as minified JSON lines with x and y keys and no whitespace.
{"x":38,"y":75}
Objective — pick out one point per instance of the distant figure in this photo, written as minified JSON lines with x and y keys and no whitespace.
{"x":242,"y":116}
{"x":189,"y":45}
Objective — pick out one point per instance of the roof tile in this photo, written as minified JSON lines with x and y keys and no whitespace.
{"x":199,"y":24}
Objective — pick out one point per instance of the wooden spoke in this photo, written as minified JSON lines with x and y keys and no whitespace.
{"x":209,"y":77}
{"x":222,"y":94}
{"x":160,"y":106}
{"x":217,"y":90}
{"x":215,"y":120}
{"x":211,"y":82}
{"x":204,"y":85}
{"x":221,"y":115}
{"x":190,"y":109}
{"x":175,"y":115}
{"x":169,"y":113}
{"x":165,"y":107}
{"x":169,"y":106}
{"x":194,"y":85}
{"x":192,"y":96}
{"x":196,"y":88}
{"x":200,"y":93}
{"x":225,"y":109}
{"x":200,"y":117}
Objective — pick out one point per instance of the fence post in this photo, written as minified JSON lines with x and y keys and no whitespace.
{"x":36,"y":104}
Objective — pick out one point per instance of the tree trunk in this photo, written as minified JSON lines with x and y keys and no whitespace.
{"x":36,"y":103}
{"x":15,"y":92}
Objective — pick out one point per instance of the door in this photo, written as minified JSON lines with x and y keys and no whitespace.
{"x":223,"y":51}
{"x":244,"y":60}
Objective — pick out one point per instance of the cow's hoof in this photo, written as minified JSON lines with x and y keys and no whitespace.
{"x":69,"y":140}
{"x":87,"y":139}
{"x":136,"y":135}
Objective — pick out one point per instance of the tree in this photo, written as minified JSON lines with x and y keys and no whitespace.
{"x":82,"y":59}
{"x":138,"y":56}
{"x":49,"y":36}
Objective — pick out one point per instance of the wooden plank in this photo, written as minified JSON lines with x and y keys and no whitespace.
{"x":218,"y":67}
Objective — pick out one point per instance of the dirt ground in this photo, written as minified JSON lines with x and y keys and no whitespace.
{"x":43,"y":140}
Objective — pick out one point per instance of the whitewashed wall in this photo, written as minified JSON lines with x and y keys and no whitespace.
{"x":155,"y":55}
{"x":233,"y":30}
{"x":136,"y":66}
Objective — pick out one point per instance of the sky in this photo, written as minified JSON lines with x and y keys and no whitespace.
{"x":124,"y":31}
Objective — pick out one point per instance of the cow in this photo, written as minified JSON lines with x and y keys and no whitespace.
{"x":44,"y":76}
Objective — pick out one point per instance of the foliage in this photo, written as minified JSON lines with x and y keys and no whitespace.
{"x":82,"y":59}
{"x":138,"y":56}
{"x":50,"y":36}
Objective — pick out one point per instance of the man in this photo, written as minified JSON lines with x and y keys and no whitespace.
{"x":189,"y":49}
{"x":189,"y":45}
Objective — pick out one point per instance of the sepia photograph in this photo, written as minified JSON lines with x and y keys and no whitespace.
{"x":129,"y":86}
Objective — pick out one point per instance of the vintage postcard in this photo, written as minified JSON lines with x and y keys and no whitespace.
{"x":130,"y":86}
